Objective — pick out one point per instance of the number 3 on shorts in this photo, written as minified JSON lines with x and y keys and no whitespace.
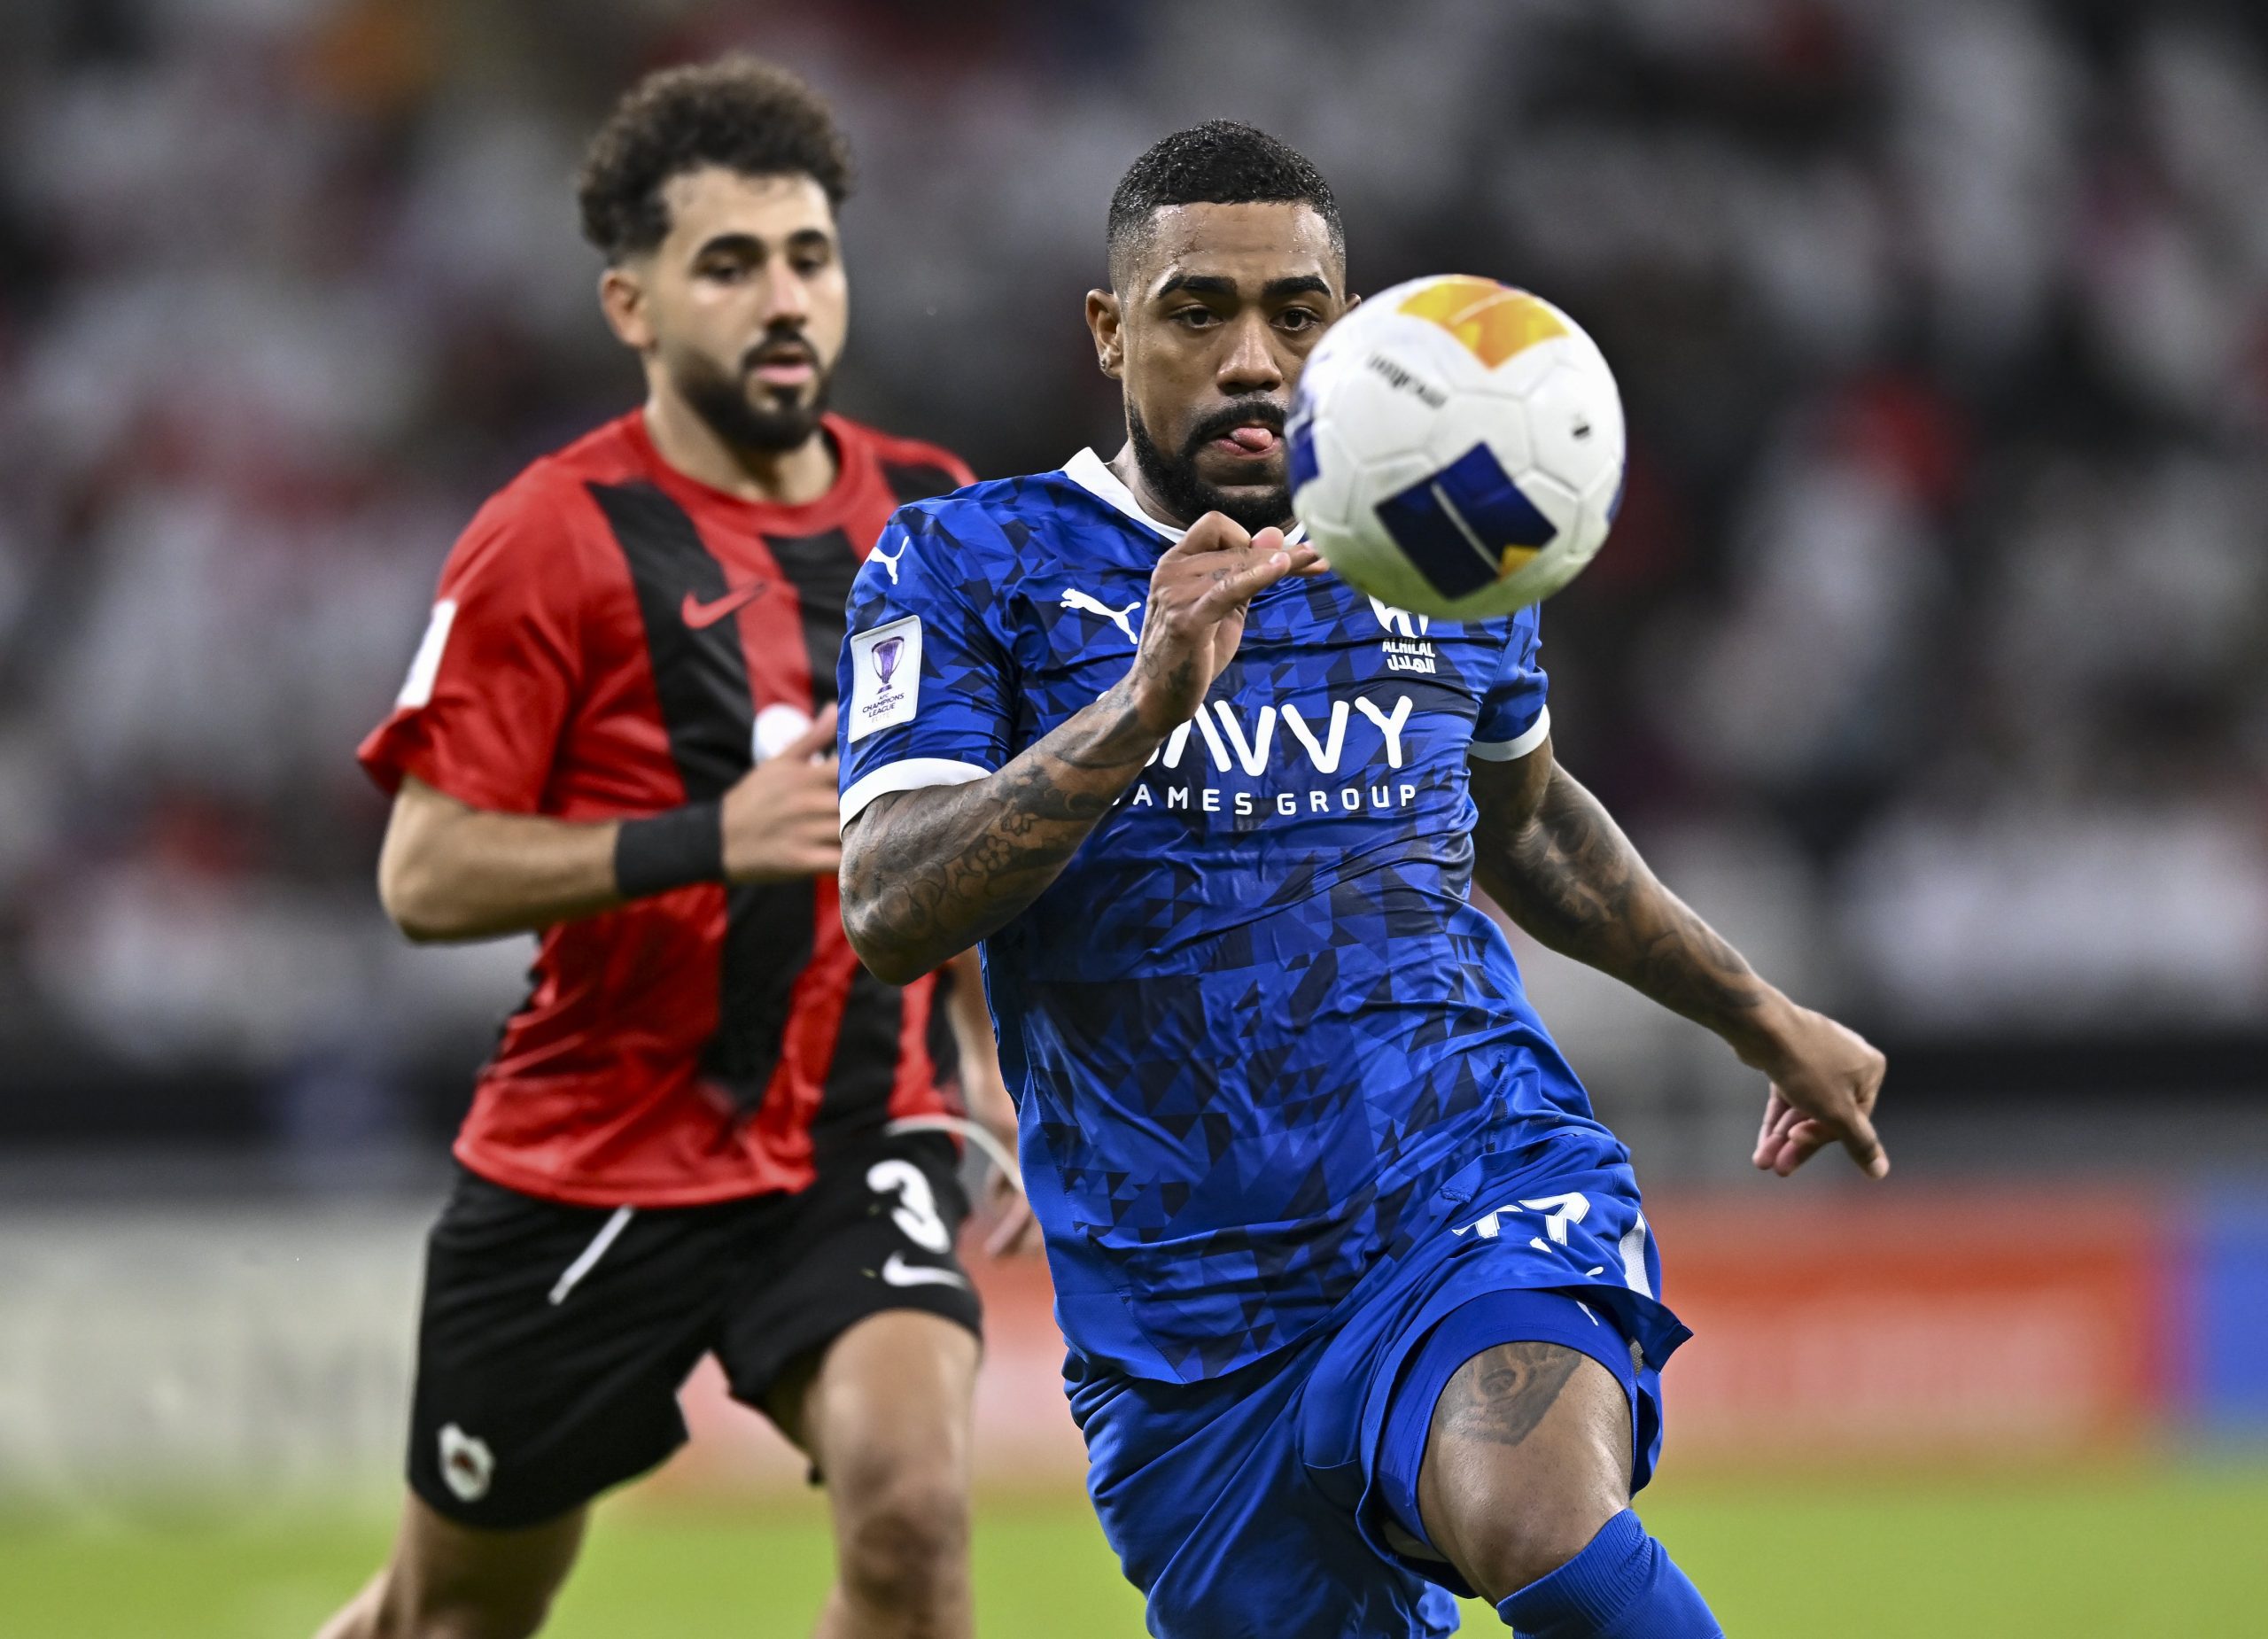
{"x":916,"y":1212}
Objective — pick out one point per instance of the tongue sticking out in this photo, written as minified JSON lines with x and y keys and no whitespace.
{"x":1258,"y":441}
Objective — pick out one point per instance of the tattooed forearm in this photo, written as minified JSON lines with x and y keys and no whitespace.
{"x":1563,"y":871}
{"x":927,"y":874}
{"x":1501,"y":1395}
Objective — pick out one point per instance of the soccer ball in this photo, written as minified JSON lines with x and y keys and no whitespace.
{"x":1456,"y":447}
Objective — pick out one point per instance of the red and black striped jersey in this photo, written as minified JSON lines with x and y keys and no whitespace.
{"x":612,"y":638}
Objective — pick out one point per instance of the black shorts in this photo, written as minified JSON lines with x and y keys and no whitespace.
{"x":553,"y":1339}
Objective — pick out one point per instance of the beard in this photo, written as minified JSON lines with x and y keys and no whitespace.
{"x":1175,"y":481}
{"x":773,"y":423}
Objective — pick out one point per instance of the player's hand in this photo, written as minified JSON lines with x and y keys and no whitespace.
{"x":1199,"y":594}
{"x":782,"y":818}
{"x":1015,"y":1230}
{"x":1825,"y":1080}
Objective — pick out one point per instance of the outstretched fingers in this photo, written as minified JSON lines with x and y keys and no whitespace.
{"x":1216,"y":531}
{"x":1014,"y":1231}
{"x":1791,"y":1137}
{"x":1825,"y":1078}
{"x":1857,"y":1135}
{"x":817,"y":741}
{"x":1801,"y":1139}
{"x":1778,"y":1117}
{"x":1236,"y":565}
{"x":1236,"y":584}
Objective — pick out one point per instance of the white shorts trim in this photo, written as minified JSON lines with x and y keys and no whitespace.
{"x":913,"y":773}
{"x":573,"y":1275}
{"x":1512,"y":750}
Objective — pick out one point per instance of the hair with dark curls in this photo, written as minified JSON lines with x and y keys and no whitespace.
{"x":738,"y":112}
{"x":1220,"y":162}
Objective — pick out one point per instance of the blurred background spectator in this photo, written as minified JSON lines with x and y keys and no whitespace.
{"x":1930,"y":654}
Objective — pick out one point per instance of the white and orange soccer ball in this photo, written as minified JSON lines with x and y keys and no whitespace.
{"x":1456,"y":448}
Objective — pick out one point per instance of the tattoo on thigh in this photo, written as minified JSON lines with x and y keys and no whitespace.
{"x":1502,"y":1394}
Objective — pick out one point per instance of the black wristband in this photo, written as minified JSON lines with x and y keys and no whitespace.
{"x":669,"y":850}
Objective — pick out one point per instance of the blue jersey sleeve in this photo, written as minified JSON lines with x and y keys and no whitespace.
{"x":1514,"y":719}
{"x":925,"y":678}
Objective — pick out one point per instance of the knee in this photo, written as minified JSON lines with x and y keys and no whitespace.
{"x":1529,"y":1457}
{"x":402,"y":1612}
{"x":904,"y":1540}
{"x":1510,"y":1547}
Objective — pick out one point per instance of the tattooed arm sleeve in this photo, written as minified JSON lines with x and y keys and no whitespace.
{"x":950,"y":826}
{"x":1558,"y":865}
{"x":927,"y":873}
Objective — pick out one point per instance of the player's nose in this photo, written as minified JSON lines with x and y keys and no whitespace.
{"x":787,"y":299}
{"x":1250,"y":364}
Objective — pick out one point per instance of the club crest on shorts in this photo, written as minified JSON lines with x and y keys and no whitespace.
{"x":467,"y":1463}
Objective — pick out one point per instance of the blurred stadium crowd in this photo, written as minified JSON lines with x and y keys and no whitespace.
{"x":1931,"y":649}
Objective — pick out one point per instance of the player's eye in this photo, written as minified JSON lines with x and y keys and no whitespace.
{"x":1195,"y":317}
{"x":724,"y":272}
{"x":1299,"y":319}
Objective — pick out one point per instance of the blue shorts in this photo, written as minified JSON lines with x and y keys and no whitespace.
{"x":1255,"y":1504}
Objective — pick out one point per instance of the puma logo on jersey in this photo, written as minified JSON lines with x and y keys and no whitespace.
{"x":898,"y":1272}
{"x":889,"y":560}
{"x":1087,"y":604}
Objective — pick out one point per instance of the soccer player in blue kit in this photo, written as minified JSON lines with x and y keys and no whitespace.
{"x":1360,"y":1298}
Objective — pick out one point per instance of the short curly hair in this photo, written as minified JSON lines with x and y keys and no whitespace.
{"x":738,"y":112}
{"x":1220,"y":162}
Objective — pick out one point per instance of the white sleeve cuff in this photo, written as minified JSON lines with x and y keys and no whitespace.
{"x":1512,"y":750}
{"x":913,"y":773}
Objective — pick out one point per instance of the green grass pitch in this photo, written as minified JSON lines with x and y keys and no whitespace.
{"x":2153,"y":1550}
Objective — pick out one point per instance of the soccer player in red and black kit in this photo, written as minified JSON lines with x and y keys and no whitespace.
{"x":616,"y":733}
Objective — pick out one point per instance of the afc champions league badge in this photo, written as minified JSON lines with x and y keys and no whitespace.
{"x":886,"y":676}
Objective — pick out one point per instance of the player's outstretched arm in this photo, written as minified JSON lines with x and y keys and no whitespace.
{"x":1548,"y":852}
{"x":927,"y":874}
{"x":449,"y":871}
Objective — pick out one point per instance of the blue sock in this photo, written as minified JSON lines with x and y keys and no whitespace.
{"x":1623,"y":1586}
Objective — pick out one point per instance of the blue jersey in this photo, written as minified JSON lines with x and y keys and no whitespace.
{"x":1257,"y":1021}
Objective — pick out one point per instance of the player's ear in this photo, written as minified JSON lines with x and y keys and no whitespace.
{"x":1103,"y":317}
{"x":622,"y":298}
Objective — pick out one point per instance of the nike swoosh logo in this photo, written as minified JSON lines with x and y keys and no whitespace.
{"x":700,"y":616}
{"x":898,"y":1272}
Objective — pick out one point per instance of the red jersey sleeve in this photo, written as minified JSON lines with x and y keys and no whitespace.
{"x":913,"y":454}
{"x":480,"y":715}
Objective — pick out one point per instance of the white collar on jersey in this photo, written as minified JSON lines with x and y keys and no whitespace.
{"x":1091,"y":473}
